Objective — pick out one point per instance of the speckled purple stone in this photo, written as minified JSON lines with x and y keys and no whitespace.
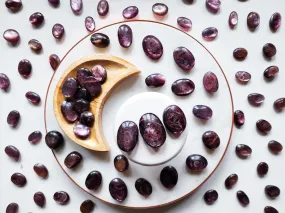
{"x":184,"y":58}
{"x":127,"y":136}
{"x":213,"y":5}
{"x":81,"y":131}
{"x":203,"y":112}
{"x":130,"y":12}
{"x":210,"y":33}
{"x":4,"y":82}
{"x":125,"y":36}
{"x":118,"y":189}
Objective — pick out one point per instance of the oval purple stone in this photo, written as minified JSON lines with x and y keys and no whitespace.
{"x":69,"y":87}
{"x":93,"y":180}
{"x":270,"y":209}
{"x":87,"y":206}
{"x":33,"y":97}
{"x":76,"y":6}
{"x":275,"y":21}
{"x":279,"y":104}
{"x":184,"y":58}
{"x":12,"y":208}
{"x":93,"y":86}
{"x":239,"y":118}
{"x":202,"y":112}
{"x":130,"y":12}
{"x":54,"y":3}
{"x":263,"y":126}
{"x":269,"y":50}
{"x":271,"y":72}
{"x":100,"y":40}
{"x":67,"y":109}
{"x":19,"y":179}
{"x":196,"y":163}
{"x":25,"y":68}
{"x":81,"y":105}
{"x":169,"y":177}
{"x":11,"y":36}
{"x":118,"y":189}
{"x":41,"y":170}
{"x":103,"y":7}
{"x":4,"y":82}
{"x":82,"y":93}
{"x":89,"y":24}
{"x":211,"y":140}
{"x":155,"y":80}
{"x":272,"y":191}
{"x":143,"y":187}
{"x":213,"y":5}
{"x":35,"y":45}
{"x":58,"y":31}
{"x":231,"y":181}
{"x":54,"y":139}
{"x":211,"y":83}
{"x":87,"y":118}
{"x":243,"y":76}
{"x":210,"y":33}
{"x":242,"y":198}
{"x":13,"y":5}
{"x":160,"y":9}
{"x":255,"y":99}
{"x":211,"y":196}
{"x":12,"y":152}
{"x":233,"y":19}
{"x":174,"y":120}
{"x":243,"y":151}
{"x":121,"y":163}
{"x":240,"y":53}
{"x":275,"y":147}
{"x":13,"y":118}
{"x":81,"y":131}
{"x":127,"y":136}
{"x":54,"y":61}
{"x":82,"y":74}
{"x":61,"y":197}
{"x":262,"y":169}
{"x":72,"y":159}
{"x":125,"y":36}
{"x":39,"y":199}
{"x":183,"y":87}
{"x":253,"y":20}
{"x":36,"y":19}
{"x":184,"y":22}
{"x":152,"y":47}
{"x":99,"y":73}
{"x":35,"y":137}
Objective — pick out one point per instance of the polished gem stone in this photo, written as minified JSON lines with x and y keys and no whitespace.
{"x":93,"y":86}
{"x":12,"y":152}
{"x":69,"y":87}
{"x":93,"y":180}
{"x":243,"y":76}
{"x":99,"y":73}
{"x":233,"y":19}
{"x":19,"y":179}
{"x":231,"y":181}
{"x":243,"y":151}
{"x":210,"y":82}
{"x":240,"y":53}
{"x":275,"y":21}
{"x":118,"y":189}
{"x":25,"y":68}
{"x":152,"y":130}
{"x":211,"y":140}
{"x":213,"y":5}
{"x":36,"y":19}
{"x":272,"y":191}
{"x":183,"y":87}
{"x":255,"y":99}
{"x":33,"y":97}
{"x":35,"y":45}
{"x":4,"y":82}
{"x":152,"y":47}
{"x":155,"y":80}
{"x":174,"y":119}
{"x":125,"y":35}
{"x":54,"y":3}
{"x":81,"y":131}
{"x":210,"y":33}
{"x":100,"y":40}
{"x":271,"y":72}
{"x":263,"y":126}
{"x":130,"y":12}
{"x":76,"y":6}
{"x":58,"y":31}
{"x":143,"y":187}
{"x":82,"y":74}
{"x":196,"y":163}
{"x":54,"y":139}
{"x":270,"y":209}
{"x":103,"y":7}
{"x":168,"y":177}
{"x":89,"y":24}
{"x":12,"y":208}
{"x":239,"y":118}
{"x":13,"y":5}
{"x":275,"y":147}
{"x":61,"y":197}
{"x":262,"y":169}
{"x":211,"y":196}
{"x":87,"y":118}
{"x":72,"y":159}
{"x":279,"y":104}
{"x":13,"y":118}
{"x":202,"y":112}
{"x":11,"y":36}
{"x":82,"y":93}
{"x":40,"y":199}
{"x":81,"y":105}
{"x":127,"y":136}
{"x":67,"y":109}
{"x":54,"y":61}
{"x":160,"y":9}
{"x":41,"y":170}
{"x":184,"y":22}
{"x":253,"y":20}
{"x":242,"y":198}
{"x":35,"y":137}
{"x":121,"y":163}
{"x":87,"y":206}
{"x":184,"y":58}
{"x":269,"y":50}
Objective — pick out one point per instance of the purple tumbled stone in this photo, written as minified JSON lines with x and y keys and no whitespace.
{"x":61,"y":197}
{"x":93,"y":180}
{"x":35,"y":137}
{"x":130,"y":12}
{"x":272,"y":191}
{"x":36,"y":19}
{"x":19,"y":179}
{"x":103,"y":7}
{"x":152,"y":47}
{"x":184,"y":58}
{"x":210,"y":33}
{"x":99,"y":73}
{"x":210,"y":82}
{"x":263,"y":126}
{"x":183,"y":87}
{"x":54,"y":61}
{"x":100,"y":40}
{"x":152,"y":130}
{"x":239,"y":118}
{"x":12,"y":208}
{"x":275,"y":147}
{"x":41,"y":170}
{"x":87,"y":206}
{"x":127,"y":136}
{"x":184,"y":22}
{"x":81,"y":131}
{"x":155,"y":80}
{"x":269,"y":50}
{"x":35,"y":45}
{"x":69,"y":87}
{"x":81,"y":105}
{"x":242,"y":198}
{"x":13,"y":118}
{"x":118,"y":189}
{"x":121,"y":163}
{"x":231,"y":181}
{"x":4,"y":82}
{"x":160,"y":9}
{"x":82,"y":93}
{"x":13,"y":5}
{"x":72,"y":159}
{"x":68,"y":112}
{"x":89,"y":24}
{"x":87,"y":118}
{"x":253,"y":20}
{"x":39,"y":199}
{"x":279,"y":104}
{"x":262,"y":169}
{"x":93,"y":86}
{"x":125,"y":36}
{"x":54,"y":3}
{"x":202,"y":112}
{"x":76,"y":6}
{"x":211,"y":140}
{"x":240,"y":53}
{"x":33,"y":97}
{"x":213,"y":5}
{"x":243,"y":151}
{"x":143,"y":187}
{"x":25,"y":68}
{"x":243,"y":76}
{"x":196,"y":163}
{"x":275,"y":21}
{"x":54,"y":139}
{"x":11,"y":36}
{"x":82,"y":75}
{"x":12,"y":152}
{"x":255,"y":99}
{"x":58,"y":31}
{"x":271,"y":72}
{"x":169,"y":177}
{"x":211,"y":196}
{"x":270,"y":209}
{"x":174,"y":120}
{"x":233,"y":19}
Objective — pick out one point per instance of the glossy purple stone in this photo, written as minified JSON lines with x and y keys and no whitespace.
{"x":143,"y":187}
{"x":243,"y":151}
{"x":270,"y":209}
{"x":269,"y":50}
{"x":81,"y":131}
{"x":54,"y":139}
{"x":12,"y":208}
{"x":211,"y":196}
{"x":69,"y":87}
{"x":61,"y":197}
{"x":121,"y":163}
{"x":262,"y":169}
{"x":12,"y":152}
{"x":35,"y":137}
{"x":39,"y":199}
{"x":13,"y":118}
{"x":243,"y":76}
{"x":127,"y":136}
{"x":275,"y":147}
{"x":263,"y":126}
{"x":72,"y":159}
{"x":81,"y":106}
{"x":99,"y":73}
{"x":125,"y":35}
{"x":87,"y":206}
{"x":240,"y":53}
{"x":54,"y":61}
{"x":242,"y":198}
{"x":239,"y":118}
{"x":41,"y":170}
{"x":33,"y":97}
{"x":35,"y":45}
{"x":13,"y":5}
{"x":93,"y":180}
{"x":89,"y":24}
{"x":210,"y":33}
{"x":184,"y":22}
{"x":100,"y":40}
{"x":93,"y":86}
{"x":82,"y":74}
{"x":87,"y":118}
{"x":272,"y":191}
{"x":255,"y":99}
{"x":152,"y":130}
{"x":213,"y":5}
{"x":67,"y":109}
{"x":82,"y":93}
{"x":196,"y":163}
{"x":4,"y":82}
{"x":25,"y":68}
{"x":184,"y":58}
{"x":54,"y":3}
{"x":211,"y":140}
{"x":103,"y":7}
{"x":275,"y":21}
{"x":155,"y":80}
{"x":36,"y":19}
{"x":152,"y":47}
{"x":233,"y":19}
{"x":76,"y":6}
{"x":202,"y":112}
{"x":183,"y":87}
{"x":160,"y":9}
{"x":118,"y":189}
{"x":19,"y":179}
{"x":279,"y":104}
{"x":169,"y":177}
{"x":271,"y":72}
{"x":174,"y":120}
{"x":58,"y":31}
{"x":231,"y":181}
{"x":210,"y":82}
{"x":253,"y":20}
{"x":130,"y":12}
{"x":11,"y":36}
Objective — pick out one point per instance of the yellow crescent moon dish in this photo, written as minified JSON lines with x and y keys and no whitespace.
{"x":117,"y":70}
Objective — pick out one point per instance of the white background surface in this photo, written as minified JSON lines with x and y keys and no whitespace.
{"x":222,"y":47}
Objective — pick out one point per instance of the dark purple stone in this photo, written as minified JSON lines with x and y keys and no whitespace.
{"x":253,"y":20}
{"x":61,"y":197}
{"x":130,"y":12}
{"x":271,"y":72}
{"x":40,"y":199}
{"x":255,"y":99}
{"x":125,"y":35}
{"x":12,"y":152}
{"x":183,"y":87}
{"x":13,"y":118}
{"x":35,"y":45}
{"x":87,"y":206}
{"x":210,"y":82}
{"x":242,"y":198}
{"x":243,"y":76}
{"x":81,"y":106}
{"x":196,"y":163}
{"x":262,"y":169}
{"x":93,"y":180}
{"x":269,"y":50}
{"x":272,"y":191}
{"x":11,"y":36}
{"x":152,"y":130}
{"x":19,"y":179}
{"x":58,"y":31}
{"x":82,"y":93}
{"x":100,"y":40}
{"x":68,"y":112}
{"x":275,"y":147}
{"x":72,"y":159}
{"x":87,"y":118}
{"x":155,"y":80}
{"x":82,"y":74}
{"x":103,"y":7}
{"x":35,"y":137}
{"x":13,"y":5}
{"x":152,"y":47}
{"x":239,"y":118}
{"x":184,"y":58}
{"x":243,"y":151}
{"x":240,"y":53}
{"x":54,"y":139}
{"x":211,"y":196}
{"x":54,"y":3}
{"x":81,"y":131}
{"x":279,"y":104}
{"x":143,"y":187}
{"x":184,"y":22}
{"x":210,"y":33}
{"x":4,"y":82}
{"x":202,"y":112}
{"x":25,"y":68}
{"x":69,"y":87}
{"x":127,"y":136}
{"x":275,"y":21}
{"x":168,"y":177}
{"x":41,"y":170}
{"x":174,"y":120}
{"x":270,"y":209}
{"x":12,"y":208}
{"x":233,"y":19}
{"x":99,"y":73}
{"x":89,"y":24}
{"x":76,"y":6}
{"x":54,"y":61}
{"x":213,"y":5}
{"x":118,"y":189}
{"x":211,"y":140}
{"x":33,"y":97}
{"x":263,"y":126}
{"x":231,"y":181}
{"x":37,"y":19}
{"x":160,"y":9}
{"x":121,"y":163}
{"x":93,"y":86}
